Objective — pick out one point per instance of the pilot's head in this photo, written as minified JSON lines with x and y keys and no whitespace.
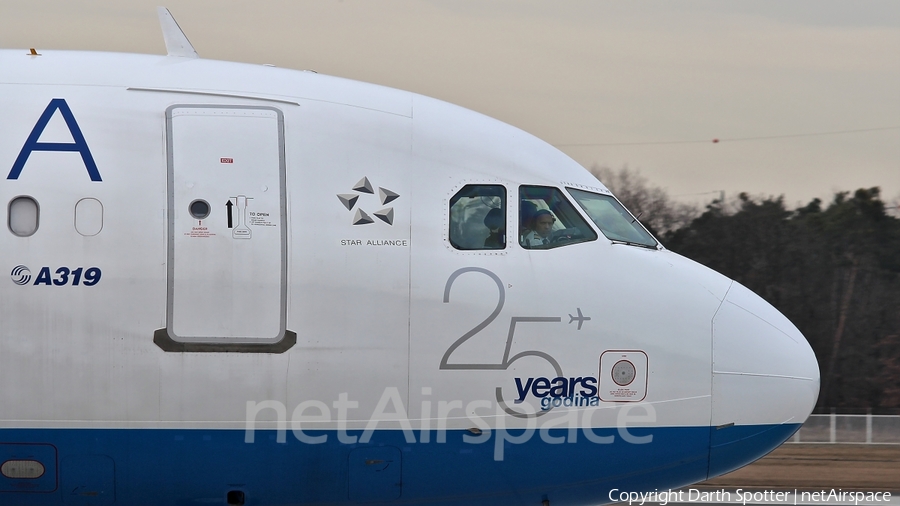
{"x":543,"y":222}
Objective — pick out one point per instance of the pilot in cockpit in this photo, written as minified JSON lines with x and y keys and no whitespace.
{"x":541,"y":227}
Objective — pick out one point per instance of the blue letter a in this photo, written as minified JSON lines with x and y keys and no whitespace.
{"x":32,"y":143}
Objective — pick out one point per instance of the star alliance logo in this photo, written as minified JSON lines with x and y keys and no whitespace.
{"x":361,"y":217}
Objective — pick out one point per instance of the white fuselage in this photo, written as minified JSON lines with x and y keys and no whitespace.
{"x":283,"y":315}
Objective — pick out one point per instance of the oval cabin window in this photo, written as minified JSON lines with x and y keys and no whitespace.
{"x":88,"y":217}
{"x":24,"y":215}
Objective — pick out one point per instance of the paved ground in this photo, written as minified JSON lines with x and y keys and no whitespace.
{"x":814,"y":466}
{"x":799,"y":469}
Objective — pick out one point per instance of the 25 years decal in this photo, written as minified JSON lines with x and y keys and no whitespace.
{"x":507,"y":360}
{"x":61,"y":276}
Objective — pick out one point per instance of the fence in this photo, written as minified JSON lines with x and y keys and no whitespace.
{"x":854,"y":429}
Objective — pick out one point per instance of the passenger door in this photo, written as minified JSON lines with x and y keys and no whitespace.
{"x":227,"y":234}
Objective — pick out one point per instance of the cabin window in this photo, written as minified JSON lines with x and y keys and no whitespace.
{"x":88,"y":217}
{"x":478,"y":218}
{"x":616,"y":223}
{"x":24,"y":216}
{"x":548,"y":220}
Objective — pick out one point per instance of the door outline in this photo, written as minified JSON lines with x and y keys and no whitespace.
{"x":166,"y":338}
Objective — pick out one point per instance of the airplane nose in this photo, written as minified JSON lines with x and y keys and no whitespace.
{"x":765,"y":380}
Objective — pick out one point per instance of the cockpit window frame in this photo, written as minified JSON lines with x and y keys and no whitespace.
{"x":478,"y":243}
{"x":623,"y":211}
{"x":581,"y":232}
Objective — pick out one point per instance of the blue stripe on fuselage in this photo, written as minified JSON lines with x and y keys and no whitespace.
{"x":137,"y":467}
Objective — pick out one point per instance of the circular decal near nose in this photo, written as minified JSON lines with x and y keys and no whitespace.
{"x":623,"y":373}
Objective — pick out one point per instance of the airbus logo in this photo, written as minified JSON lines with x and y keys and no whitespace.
{"x":20,"y":275}
{"x":64,"y":276}
{"x":361,"y":217}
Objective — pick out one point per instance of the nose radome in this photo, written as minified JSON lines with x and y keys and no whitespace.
{"x":765,"y":380}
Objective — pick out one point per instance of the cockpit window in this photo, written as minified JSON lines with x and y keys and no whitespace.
{"x":548,"y":220}
{"x":478,"y":217}
{"x":616,"y":223}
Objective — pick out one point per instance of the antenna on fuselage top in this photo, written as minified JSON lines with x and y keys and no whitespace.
{"x":177,"y":43}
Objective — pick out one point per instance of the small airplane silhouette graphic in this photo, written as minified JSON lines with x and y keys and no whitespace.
{"x":580,"y":318}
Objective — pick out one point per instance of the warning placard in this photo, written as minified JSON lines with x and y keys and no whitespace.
{"x":200,"y":232}
{"x":623,"y":376}
{"x":258,"y":219}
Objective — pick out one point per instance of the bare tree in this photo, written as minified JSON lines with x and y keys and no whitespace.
{"x":892,"y":207}
{"x":650,"y":203}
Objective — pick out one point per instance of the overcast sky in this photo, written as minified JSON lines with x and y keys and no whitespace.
{"x":643,"y":83}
